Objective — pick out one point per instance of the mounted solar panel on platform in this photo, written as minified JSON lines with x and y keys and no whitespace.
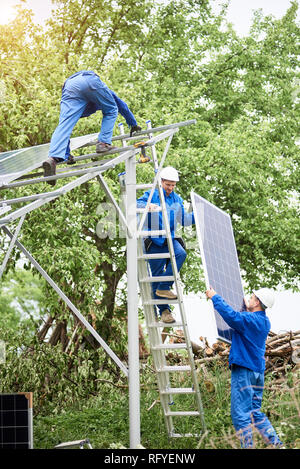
{"x":16,"y":163}
{"x":219,"y":258}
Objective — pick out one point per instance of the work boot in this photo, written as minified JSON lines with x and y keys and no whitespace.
{"x":49,"y":167}
{"x":71,"y":160}
{"x":102,"y":147}
{"x":166,"y":294}
{"x":167,"y":317}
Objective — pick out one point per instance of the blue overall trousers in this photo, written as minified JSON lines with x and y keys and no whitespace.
{"x":83,"y":94}
{"x":246,"y":398}
{"x":160,"y":269}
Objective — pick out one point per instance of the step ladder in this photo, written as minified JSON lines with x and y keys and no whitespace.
{"x":169,"y":376}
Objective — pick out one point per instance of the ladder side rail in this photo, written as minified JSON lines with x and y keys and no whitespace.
{"x":180,"y":302}
{"x":159,"y":359}
{"x":157,"y":349}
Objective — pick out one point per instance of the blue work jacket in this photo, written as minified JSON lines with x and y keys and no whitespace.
{"x":92,"y":107}
{"x":250,"y":331}
{"x":176,"y":213}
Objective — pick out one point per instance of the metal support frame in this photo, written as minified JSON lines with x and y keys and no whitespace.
{"x":129,"y":220}
{"x":11,"y":246}
{"x":68,"y":302}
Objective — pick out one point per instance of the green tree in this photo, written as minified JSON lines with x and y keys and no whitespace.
{"x":170,"y":62}
{"x":21,"y":301}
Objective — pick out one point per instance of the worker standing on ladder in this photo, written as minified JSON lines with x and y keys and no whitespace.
{"x":82,"y":95}
{"x":176,"y":213}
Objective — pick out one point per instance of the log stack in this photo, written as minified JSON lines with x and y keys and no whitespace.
{"x":282,"y":352}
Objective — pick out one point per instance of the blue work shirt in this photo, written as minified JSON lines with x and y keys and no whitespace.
{"x":175,"y":210}
{"x":250,"y":331}
{"x":92,"y":107}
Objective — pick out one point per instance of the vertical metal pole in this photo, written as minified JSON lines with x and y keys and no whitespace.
{"x":153,"y":149}
{"x":132,"y":302}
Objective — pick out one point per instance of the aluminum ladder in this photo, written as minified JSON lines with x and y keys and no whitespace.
{"x":166,"y":373}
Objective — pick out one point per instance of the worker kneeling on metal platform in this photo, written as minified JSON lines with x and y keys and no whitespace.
{"x":83,"y":94}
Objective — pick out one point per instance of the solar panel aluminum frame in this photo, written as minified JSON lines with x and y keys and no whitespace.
{"x":220,"y":324}
{"x":16,"y":420}
{"x":31,"y":158}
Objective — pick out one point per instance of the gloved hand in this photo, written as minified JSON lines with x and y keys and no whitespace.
{"x":135,"y":128}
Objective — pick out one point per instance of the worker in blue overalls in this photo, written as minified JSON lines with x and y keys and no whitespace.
{"x":82,"y":95}
{"x":247,"y":363}
{"x":158,"y":245}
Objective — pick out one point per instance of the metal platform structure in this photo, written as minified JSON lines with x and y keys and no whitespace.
{"x":16,"y":171}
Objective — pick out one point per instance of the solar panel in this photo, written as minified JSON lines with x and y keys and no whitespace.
{"x":219,"y":258}
{"x":16,"y":421}
{"x":13,"y":164}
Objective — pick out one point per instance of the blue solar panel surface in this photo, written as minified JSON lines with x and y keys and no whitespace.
{"x":219,"y":257}
{"x":14,"y":422}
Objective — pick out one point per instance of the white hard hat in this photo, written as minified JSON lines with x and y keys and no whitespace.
{"x":169,"y":173}
{"x":265,"y":296}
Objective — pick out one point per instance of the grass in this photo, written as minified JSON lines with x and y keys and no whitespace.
{"x":105,"y":419}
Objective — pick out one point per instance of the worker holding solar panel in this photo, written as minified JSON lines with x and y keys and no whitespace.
{"x":82,"y":95}
{"x":250,"y":329}
{"x":161,"y":267}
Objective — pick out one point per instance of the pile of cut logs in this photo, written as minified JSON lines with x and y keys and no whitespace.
{"x":281,"y":350}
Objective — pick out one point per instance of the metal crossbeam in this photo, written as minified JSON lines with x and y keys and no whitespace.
{"x":11,"y":246}
{"x":149,"y":131}
{"x":73,"y":308}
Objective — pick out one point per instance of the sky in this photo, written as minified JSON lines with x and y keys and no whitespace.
{"x":285,"y":315}
{"x":239,"y":12}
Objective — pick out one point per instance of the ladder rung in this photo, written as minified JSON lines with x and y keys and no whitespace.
{"x":169,"y":346}
{"x":183,"y":413}
{"x":169,"y":278}
{"x":178,"y":391}
{"x":165,"y":255}
{"x":144,"y":186}
{"x":164,"y":324}
{"x":174,"y":368}
{"x":153,"y":234}
{"x":184,"y":435}
{"x":163,"y":301}
{"x":142,"y":210}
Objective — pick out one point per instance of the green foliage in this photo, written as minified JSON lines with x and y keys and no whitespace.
{"x":57,"y":379}
{"x":104,"y":418}
{"x":170,"y":61}
{"x":21,"y":301}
